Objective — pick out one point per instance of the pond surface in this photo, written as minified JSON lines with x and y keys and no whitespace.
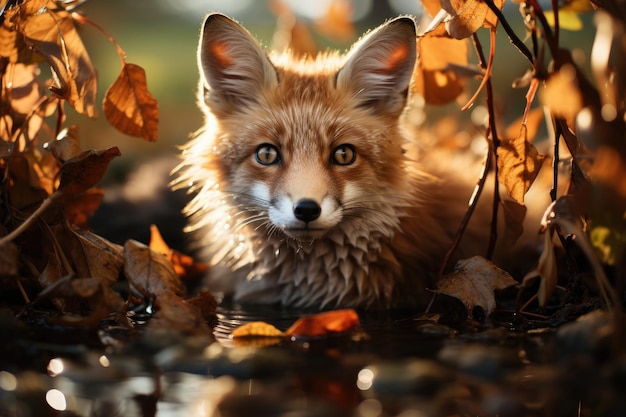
{"x":398,"y":364}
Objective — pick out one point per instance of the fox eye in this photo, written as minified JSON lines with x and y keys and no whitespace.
{"x":267,"y":154}
{"x":343,"y":155}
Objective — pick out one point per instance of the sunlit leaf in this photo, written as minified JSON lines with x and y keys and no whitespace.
{"x":467,"y":16}
{"x":53,"y":34}
{"x":474,"y":281}
{"x":330,"y":322}
{"x":184,"y":265}
{"x":256,"y":329}
{"x":568,"y":20}
{"x":562,"y":94}
{"x":129,"y":106}
{"x":434,"y":77}
{"x":519,"y":163}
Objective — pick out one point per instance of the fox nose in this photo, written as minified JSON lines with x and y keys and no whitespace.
{"x":306,"y":210}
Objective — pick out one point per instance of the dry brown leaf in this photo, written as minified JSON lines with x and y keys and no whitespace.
{"x":474,"y":281}
{"x":514,"y":214}
{"x":129,"y":106}
{"x":67,"y":144}
{"x":80,"y":208}
{"x":433,"y":78}
{"x":51,"y":32}
{"x":84,"y":171}
{"x":491,"y":20}
{"x":519,"y":163}
{"x":174,"y":313}
{"x":149,"y":272}
{"x":467,"y":16}
{"x":330,"y":322}
{"x":104,"y":260}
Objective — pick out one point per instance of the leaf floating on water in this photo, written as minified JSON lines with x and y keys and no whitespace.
{"x":129,"y":106}
{"x":327,"y":323}
{"x":256,"y":329}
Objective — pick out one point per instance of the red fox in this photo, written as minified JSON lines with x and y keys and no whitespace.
{"x":304,"y":194}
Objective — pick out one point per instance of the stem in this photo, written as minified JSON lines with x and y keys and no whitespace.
{"x":487,"y":76}
{"x":84,"y":20}
{"x":513,"y":38}
{"x":31,"y":219}
{"x":493,"y":148}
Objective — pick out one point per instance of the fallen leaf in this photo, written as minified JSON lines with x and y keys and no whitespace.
{"x":174,"y":313}
{"x":129,"y":106}
{"x":473,"y":282}
{"x":149,"y":272}
{"x":256,"y":329}
{"x":104,"y":260}
{"x":327,"y":323}
{"x":519,"y":163}
{"x":80,"y":173}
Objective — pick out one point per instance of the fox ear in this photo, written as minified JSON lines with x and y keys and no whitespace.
{"x":233,"y":67}
{"x":379,"y":67}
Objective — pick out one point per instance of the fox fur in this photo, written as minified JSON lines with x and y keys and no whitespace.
{"x":304,"y":193}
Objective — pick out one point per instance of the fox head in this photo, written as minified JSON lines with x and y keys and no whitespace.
{"x":299,"y":148}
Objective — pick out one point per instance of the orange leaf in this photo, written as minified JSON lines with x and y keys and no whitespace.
{"x":467,"y":16}
{"x":337,"y":321}
{"x":434,"y":78}
{"x":129,"y":106}
{"x":519,"y":163}
{"x":184,"y":265}
{"x":51,"y":32}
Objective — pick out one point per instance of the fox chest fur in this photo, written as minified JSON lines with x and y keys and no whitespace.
{"x":303,"y":193}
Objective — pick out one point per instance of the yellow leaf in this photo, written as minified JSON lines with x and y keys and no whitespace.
{"x":519,"y":163}
{"x":568,"y":20}
{"x":129,"y":106}
{"x":256,"y":329}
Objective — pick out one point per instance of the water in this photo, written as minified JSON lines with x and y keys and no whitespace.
{"x":397,"y":364}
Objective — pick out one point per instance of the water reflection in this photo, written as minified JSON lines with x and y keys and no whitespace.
{"x":401,"y":367}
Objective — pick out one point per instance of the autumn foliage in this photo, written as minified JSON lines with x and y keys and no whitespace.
{"x":48,"y":190}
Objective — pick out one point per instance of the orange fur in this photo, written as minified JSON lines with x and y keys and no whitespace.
{"x":277,"y":147}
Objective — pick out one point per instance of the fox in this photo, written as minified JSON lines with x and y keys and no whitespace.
{"x":304,"y":191}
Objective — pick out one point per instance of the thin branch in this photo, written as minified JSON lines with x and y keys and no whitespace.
{"x":513,"y":38}
{"x":31,"y":219}
{"x":82,"y":19}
